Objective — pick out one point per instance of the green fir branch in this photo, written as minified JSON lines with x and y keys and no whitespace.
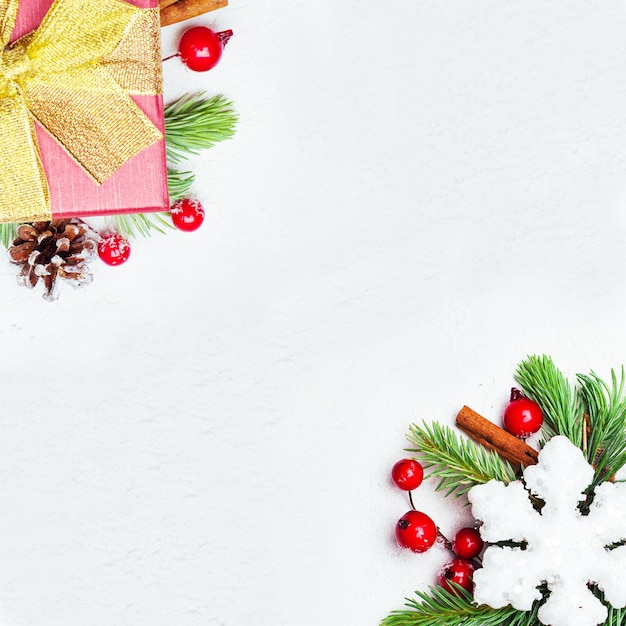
{"x":178,"y":184}
{"x":144,"y":224}
{"x":458,"y":463}
{"x":195,"y":123}
{"x":8,"y":232}
{"x":605,"y":408}
{"x":616,"y":617}
{"x":562,"y":407}
{"x":442,"y":608}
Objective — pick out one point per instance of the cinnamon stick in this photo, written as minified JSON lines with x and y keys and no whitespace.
{"x":495,"y":438}
{"x":174,"y":12}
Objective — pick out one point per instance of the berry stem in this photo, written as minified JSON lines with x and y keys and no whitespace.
{"x":224,"y":36}
{"x":446,"y":542}
{"x":516,"y":394}
{"x":411,"y":500}
{"x":172,"y":56}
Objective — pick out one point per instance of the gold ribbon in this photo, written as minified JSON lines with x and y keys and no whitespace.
{"x":74,"y":75}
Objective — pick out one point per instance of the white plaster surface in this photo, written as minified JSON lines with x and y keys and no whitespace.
{"x":420,"y":193}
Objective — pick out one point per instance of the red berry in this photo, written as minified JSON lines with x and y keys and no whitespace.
{"x":200,"y":48}
{"x":407,"y":474}
{"x":113,"y":249}
{"x":458,"y":571}
{"x":467,"y":543}
{"x":416,"y":531}
{"x":522,"y":417}
{"x":187,"y":214}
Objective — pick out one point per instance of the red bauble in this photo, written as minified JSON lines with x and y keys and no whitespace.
{"x":416,"y":531}
{"x":200,"y":48}
{"x":407,"y":474}
{"x":113,"y":249}
{"x":187,"y":214}
{"x":458,"y":571}
{"x":467,"y":543}
{"x":522,"y":417}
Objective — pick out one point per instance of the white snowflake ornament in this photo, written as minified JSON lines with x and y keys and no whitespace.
{"x":556,"y":545}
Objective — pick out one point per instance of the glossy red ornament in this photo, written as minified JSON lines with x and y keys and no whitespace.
{"x":407,"y":474}
{"x":522,"y":417}
{"x":416,"y":531}
{"x":113,"y":249}
{"x":187,"y":214}
{"x":200,"y":49}
{"x":467,"y":543}
{"x":458,"y":571}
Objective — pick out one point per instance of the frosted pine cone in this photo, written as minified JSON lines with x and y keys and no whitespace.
{"x":53,"y":250}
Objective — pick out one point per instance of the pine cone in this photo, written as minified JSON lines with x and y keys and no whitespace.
{"x":53,"y":250}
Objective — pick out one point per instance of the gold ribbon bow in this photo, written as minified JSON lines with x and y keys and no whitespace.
{"x":74,"y":75}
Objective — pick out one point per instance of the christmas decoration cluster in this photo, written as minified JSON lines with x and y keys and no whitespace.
{"x":53,"y":251}
{"x":549,"y":544}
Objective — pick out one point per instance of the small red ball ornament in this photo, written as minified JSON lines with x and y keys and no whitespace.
{"x":200,"y":49}
{"x":416,"y":531}
{"x":522,"y":417}
{"x":458,"y":571}
{"x":187,"y":214}
{"x":467,"y":543}
{"x":113,"y":249}
{"x":407,"y":474}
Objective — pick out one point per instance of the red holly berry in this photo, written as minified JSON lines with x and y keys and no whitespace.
{"x":458,"y":571}
{"x":522,"y":417}
{"x":200,"y":49}
{"x":416,"y":531}
{"x":187,"y":214}
{"x":467,"y":543}
{"x":113,"y":249}
{"x":407,"y":474}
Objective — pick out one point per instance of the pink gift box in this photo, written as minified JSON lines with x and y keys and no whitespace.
{"x":140,"y":186}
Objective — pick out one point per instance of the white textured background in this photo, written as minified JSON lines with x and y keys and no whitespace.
{"x":420,"y":194}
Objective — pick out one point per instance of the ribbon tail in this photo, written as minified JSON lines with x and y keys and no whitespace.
{"x":93,"y":119}
{"x":24,"y":194}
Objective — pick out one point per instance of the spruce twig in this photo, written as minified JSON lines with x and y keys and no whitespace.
{"x":616,"y":617}
{"x":133,"y":224}
{"x":606,"y":406}
{"x":441,"y":608}
{"x":602,"y":434}
{"x":458,"y":463}
{"x":178,"y":184}
{"x":194,"y":123}
{"x":562,"y":407}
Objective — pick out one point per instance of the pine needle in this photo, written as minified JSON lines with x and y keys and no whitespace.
{"x":562,"y":407}
{"x":458,"y":463}
{"x":616,"y":617}
{"x":178,"y":184}
{"x":441,"y":608}
{"x":605,"y":404}
{"x":144,"y":224}
{"x":194,"y":123}
{"x":8,"y":232}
